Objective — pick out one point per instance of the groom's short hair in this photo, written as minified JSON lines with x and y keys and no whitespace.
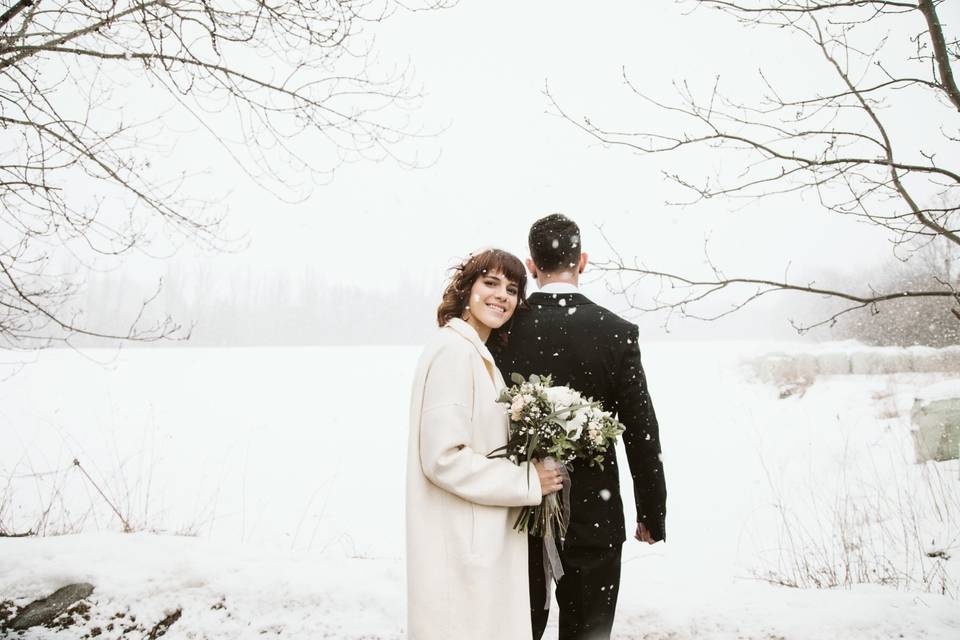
{"x":554,"y":243}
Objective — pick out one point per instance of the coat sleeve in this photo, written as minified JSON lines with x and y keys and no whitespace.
{"x":446,"y":456}
{"x":641,"y":440}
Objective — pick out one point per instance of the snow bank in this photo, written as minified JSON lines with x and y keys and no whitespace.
{"x":233,"y":592}
{"x":224,"y":591}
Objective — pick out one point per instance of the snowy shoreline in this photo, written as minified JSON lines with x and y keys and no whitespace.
{"x":242,"y":592}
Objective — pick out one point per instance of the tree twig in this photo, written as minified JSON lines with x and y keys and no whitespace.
{"x":126,"y":525}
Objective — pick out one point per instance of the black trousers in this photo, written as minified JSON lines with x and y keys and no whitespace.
{"x":586,"y":594}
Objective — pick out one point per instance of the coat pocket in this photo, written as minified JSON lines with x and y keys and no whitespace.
{"x":490,"y":529}
{"x":458,"y":527}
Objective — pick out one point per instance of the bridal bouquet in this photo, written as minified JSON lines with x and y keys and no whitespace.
{"x":556,"y":425}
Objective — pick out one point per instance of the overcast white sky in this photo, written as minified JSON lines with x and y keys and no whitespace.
{"x":505,"y":160}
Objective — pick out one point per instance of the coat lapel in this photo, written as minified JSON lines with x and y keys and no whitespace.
{"x":466,"y":331}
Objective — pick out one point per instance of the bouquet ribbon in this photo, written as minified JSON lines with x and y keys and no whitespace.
{"x":552,"y":567}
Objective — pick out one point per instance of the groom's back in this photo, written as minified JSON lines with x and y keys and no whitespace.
{"x":566,"y":335}
{"x":582,"y":345}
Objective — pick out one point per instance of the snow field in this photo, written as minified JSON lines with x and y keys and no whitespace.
{"x":286,"y":467}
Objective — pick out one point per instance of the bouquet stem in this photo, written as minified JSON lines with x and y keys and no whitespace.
{"x":549,"y":520}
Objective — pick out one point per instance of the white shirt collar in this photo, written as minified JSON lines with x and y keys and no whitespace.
{"x":559,"y":287}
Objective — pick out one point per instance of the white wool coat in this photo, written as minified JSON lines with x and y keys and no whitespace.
{"x":466,"y":566}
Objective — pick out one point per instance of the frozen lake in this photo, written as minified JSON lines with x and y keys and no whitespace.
{"x":303,"y":448}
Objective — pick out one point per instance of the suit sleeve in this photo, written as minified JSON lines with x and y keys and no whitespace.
{"x":641,"y":440}
{"x":446,"y":427}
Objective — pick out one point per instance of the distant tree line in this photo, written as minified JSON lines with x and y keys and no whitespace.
{"x":253,"y":308}
{"x":912,"y":321}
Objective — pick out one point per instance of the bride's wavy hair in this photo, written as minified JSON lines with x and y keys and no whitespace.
{"x":457,"y":293}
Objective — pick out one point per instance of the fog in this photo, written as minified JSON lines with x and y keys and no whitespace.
{"x":362,"y":259}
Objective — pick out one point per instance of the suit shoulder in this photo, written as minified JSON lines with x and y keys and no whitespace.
{"x":614,"y":322}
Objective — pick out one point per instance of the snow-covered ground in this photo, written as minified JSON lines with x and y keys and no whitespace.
{"x":275,"y":479}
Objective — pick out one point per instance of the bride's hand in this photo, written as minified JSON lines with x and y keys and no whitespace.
{"x":550,"y":479}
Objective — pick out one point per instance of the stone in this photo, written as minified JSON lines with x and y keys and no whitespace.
{"x":46,"y":609}
{"x":164,"y":625}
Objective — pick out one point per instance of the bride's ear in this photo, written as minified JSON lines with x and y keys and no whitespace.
{"x":532,"y":268}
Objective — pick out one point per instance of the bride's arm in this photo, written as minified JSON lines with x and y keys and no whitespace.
{"x":445,"y":435}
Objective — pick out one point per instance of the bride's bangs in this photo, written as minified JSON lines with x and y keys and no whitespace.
{"x":455,"y":295}
{"x":507,"y":264}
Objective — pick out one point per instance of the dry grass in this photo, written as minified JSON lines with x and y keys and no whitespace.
{"x":74,"y":498}
{"x":899,"y":531}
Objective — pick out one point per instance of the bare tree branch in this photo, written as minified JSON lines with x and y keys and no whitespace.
{"x":289,"y":90}
{"x":842,"y":143}
{"x":935,"y":29}
{"x":12,"y":12}
{"x":809,"y":7}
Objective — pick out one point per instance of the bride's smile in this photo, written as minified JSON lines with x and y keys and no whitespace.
{"x":493,"y":299}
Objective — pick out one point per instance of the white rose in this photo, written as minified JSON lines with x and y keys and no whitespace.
{"x":574,"y":426}
{"x":560,"y":397}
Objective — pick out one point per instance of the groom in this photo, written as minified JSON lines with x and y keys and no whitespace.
{"x":590,"y":349}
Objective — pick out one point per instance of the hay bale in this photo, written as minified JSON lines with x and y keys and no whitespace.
{"x":806,"y":366}
{"x":866,"y":362}
{"x":775,"y":367}
{"x":834,"y":363}
{"x":896,"y":360}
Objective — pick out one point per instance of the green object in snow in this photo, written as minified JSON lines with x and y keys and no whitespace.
{"x":937,"y":429}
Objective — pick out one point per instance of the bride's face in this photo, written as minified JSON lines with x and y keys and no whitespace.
{"x":493,"y":299}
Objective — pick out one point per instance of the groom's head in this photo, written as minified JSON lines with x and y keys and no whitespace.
{"x":555,"y":249}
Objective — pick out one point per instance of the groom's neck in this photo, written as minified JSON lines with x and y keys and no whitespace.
{"x":567,"y":277}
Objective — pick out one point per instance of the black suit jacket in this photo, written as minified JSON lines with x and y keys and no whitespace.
{"x":594,"y":351}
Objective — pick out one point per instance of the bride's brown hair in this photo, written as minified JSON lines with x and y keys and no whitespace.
{"x":457,"y":293}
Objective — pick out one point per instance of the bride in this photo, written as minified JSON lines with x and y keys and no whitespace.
{"x":466,"y":567}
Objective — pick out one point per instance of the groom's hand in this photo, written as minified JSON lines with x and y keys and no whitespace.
{"x":643,"y":535}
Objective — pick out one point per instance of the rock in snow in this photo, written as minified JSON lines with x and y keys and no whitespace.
{"x":46,"y":609}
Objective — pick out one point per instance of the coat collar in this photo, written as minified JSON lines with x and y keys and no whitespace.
{"x":461,"y":327}
{"x":542,"y":299}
